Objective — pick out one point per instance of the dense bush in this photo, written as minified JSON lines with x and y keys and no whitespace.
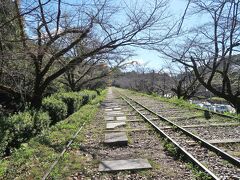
{"x":21,"y":127}
{"x":56,"y":108}
{"x":60,"y":105}
{"x":72,"y":99}
{"x":87,"y":95}
{"x":5,"y":136}
{"x":34,"y":158}
{"x":41,"y":121}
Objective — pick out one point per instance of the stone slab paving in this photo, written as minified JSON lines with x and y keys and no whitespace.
{"x":134,"y":120}
{"x":128,"y":164}
{"x":121,"y":118}
{"x":114,"y":113}
{"x":115,"y":118}
{"x":116,"y":138}
{"x":109,"y":118}
{"x":110,"y":105}
{"x":131,"y":114}
{"x":127,"y":130}
{"x":112,"y":125}
{"x":117,"y":109}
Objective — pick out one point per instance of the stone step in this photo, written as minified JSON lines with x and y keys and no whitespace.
{"x":135,"y":120}
{"x":112,"y":110}
{"x":112,"y":125}
{"x":117,"y":109}
{"x":121,"y":118}
{"x":110,"y":105}
{"x":131,"y":114}
{"x":109,"y":118}
{"x":127,"y":130}
{"x":128,"y":164}
{"x":114,"y":113}
{"x":116,"y":138}
{"x":115,"y":118}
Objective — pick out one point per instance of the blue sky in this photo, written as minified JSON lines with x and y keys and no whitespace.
{"x":152,"y":58}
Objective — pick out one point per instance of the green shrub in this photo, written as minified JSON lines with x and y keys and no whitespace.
{"x":87,"y":95}
{"x":171,"y":149}
{"x":198,"y":173}
{"x":19,"y":128}
{"x":31,"y":160}
{"x":15,"y":130}
{"x":41,"y":121}
{"x":56,"y":108}
{"x":99,"y":90}
{"x":22,"y":126}
{"x":5,"y":138}
{"x":72,"y":99}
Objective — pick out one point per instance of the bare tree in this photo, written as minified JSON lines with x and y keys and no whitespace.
{"x":211,"y":49}
{"x":91,"y":70}
{"x":184,"y":83}
{"x":144,"y":79}
{"x":163,"y":83}
{"x":50,"y":29}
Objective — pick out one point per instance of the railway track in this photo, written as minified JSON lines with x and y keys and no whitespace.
{"x":214,"y":161}
{"x":222,"y":131}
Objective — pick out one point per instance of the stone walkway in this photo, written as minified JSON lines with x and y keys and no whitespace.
{"x":115,"y":118}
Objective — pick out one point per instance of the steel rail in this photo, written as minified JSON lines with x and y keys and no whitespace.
{"x":220,"y":152}
{"x":188,"y":155}
{"x":225,"y":155}
{"x":62,"y":153}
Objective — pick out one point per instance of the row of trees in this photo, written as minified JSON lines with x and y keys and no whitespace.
{"x":47,"y":42}
{"x":211,"y":49}
{"x":167,"y":82}
{"x":208,"y":51}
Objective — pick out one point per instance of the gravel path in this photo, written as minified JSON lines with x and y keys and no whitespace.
{"x":185,"y":117}
{"x":142,"y":144}
{"x":215,"y":163}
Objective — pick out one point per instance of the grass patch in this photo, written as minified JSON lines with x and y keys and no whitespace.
{"x":180,"y":103}
{"x":199,"y":175}
{"x":171,"y":149}
{"x":174,"y":100}
{"x":34,"y":158}
{"x":175,"y":153}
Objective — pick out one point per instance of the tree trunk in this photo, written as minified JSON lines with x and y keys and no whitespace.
{"x":36,"y":100}
{"x":179,"y":92}
{"x":238,"y":109}
{"x":37,"y":97}
{"x":236,"y":105}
